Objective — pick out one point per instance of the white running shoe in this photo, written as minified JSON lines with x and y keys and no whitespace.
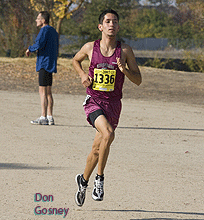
{"x":51,"y":121}
{"x":40,"y":121}
{"x":98,"y":192}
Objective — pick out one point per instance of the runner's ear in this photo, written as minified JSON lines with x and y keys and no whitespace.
{"x":100,"y":27}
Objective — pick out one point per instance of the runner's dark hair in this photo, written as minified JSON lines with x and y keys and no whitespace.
{"x":102,"y":15}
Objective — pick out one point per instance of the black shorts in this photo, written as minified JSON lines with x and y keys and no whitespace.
{"x":94,"y":115}
{"x":45,"y":78}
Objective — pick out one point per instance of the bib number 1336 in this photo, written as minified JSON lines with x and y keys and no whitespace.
{"x":104,"y":80}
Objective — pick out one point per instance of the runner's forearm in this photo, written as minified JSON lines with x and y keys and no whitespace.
{"x":134,"y":77}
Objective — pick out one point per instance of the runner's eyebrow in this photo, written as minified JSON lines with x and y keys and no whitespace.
{"x":108,"y":19}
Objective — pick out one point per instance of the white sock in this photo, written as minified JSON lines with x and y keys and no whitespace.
{"x":49,"y":117}
{"x":42,"y":117}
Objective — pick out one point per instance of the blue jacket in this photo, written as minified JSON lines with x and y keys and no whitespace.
{"x":47,"y":44}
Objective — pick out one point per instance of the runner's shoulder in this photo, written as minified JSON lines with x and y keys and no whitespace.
{"x":88,"y":46}
{"x":125,"y":47}
{"x":126,"y":50}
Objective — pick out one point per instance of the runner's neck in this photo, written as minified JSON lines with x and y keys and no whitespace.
{"x":107,"y":47}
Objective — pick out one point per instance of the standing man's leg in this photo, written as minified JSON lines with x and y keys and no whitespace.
{"x":50,"y":105}
{"x":44,"y":100}
{"x":50,"y":101}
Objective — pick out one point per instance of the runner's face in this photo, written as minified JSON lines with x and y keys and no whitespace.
{"x":40,"y":21}
{"x":110,"y":25}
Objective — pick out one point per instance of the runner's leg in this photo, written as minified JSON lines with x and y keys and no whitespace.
{"x":92,"y":158}
{"x":100,"y":148}
{"x":107,"y":137}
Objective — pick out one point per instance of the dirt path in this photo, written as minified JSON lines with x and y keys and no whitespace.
{"x":155,"y":168}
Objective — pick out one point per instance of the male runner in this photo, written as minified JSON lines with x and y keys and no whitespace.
{"x":108,"y":58}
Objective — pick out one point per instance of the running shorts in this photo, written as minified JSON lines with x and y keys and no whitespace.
{"x":45,"y":78}
{"x":110,"y":109}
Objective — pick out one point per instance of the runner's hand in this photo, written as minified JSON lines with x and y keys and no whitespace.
{"x":121,"y":64}
{"x":86,"y":81}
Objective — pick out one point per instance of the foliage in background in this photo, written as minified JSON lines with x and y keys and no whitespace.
{"x":184,"y":27}
{"x":58,"y":9}
{"x":196,"y":64}
{"x":87,"y":29}
{"x":44,"y":5}
{"x":196,"y":20}
{"x":150,"y":23}
{"x":190,"y":23}
{"x":16,"y":23}
{"x":186,"y":64}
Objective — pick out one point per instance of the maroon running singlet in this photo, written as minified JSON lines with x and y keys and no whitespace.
{"x":99,"y":64}
{"x":105,"y":93}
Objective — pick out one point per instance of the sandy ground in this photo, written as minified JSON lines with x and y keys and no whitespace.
{"x":155,"y":168}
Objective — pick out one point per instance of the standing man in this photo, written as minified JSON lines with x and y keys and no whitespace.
{"x":46,"y":45}
{"x":108,"y":59}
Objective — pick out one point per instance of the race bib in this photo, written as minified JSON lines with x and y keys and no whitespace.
{"x":104,"y":80}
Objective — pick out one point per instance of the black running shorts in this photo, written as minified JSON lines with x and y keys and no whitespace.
{"x":45,"y":78}
{"x":94,"y":115}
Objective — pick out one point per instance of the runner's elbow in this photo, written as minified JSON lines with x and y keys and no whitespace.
{"x":139,"y":80}
{"x":136,"y":79}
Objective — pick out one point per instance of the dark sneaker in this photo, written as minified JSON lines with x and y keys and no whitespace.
{"x":81,"y":193}
{"x":40,"y":121}
{"x":98,"y":192}
{"x":51,"y":121}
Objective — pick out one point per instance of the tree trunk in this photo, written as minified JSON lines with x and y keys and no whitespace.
{"x":59,"y":23}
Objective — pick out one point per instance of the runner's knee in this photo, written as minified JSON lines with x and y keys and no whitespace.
{"x":108,"y":135}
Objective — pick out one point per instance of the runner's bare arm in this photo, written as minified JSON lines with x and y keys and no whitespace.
{"x":133,"y":72}
{"x":85,"y":52}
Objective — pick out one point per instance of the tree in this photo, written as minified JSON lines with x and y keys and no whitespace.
{"x":194,"y":17}
{"x":17,"y":32}
{"x":44,"y":5}
{"x":87,"y":29}
{"x":64,"y":9}
{"x":58,"y":9}
{"x":150,"y":23}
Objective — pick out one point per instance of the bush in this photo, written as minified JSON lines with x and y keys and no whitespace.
{"x":196,"y":64}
